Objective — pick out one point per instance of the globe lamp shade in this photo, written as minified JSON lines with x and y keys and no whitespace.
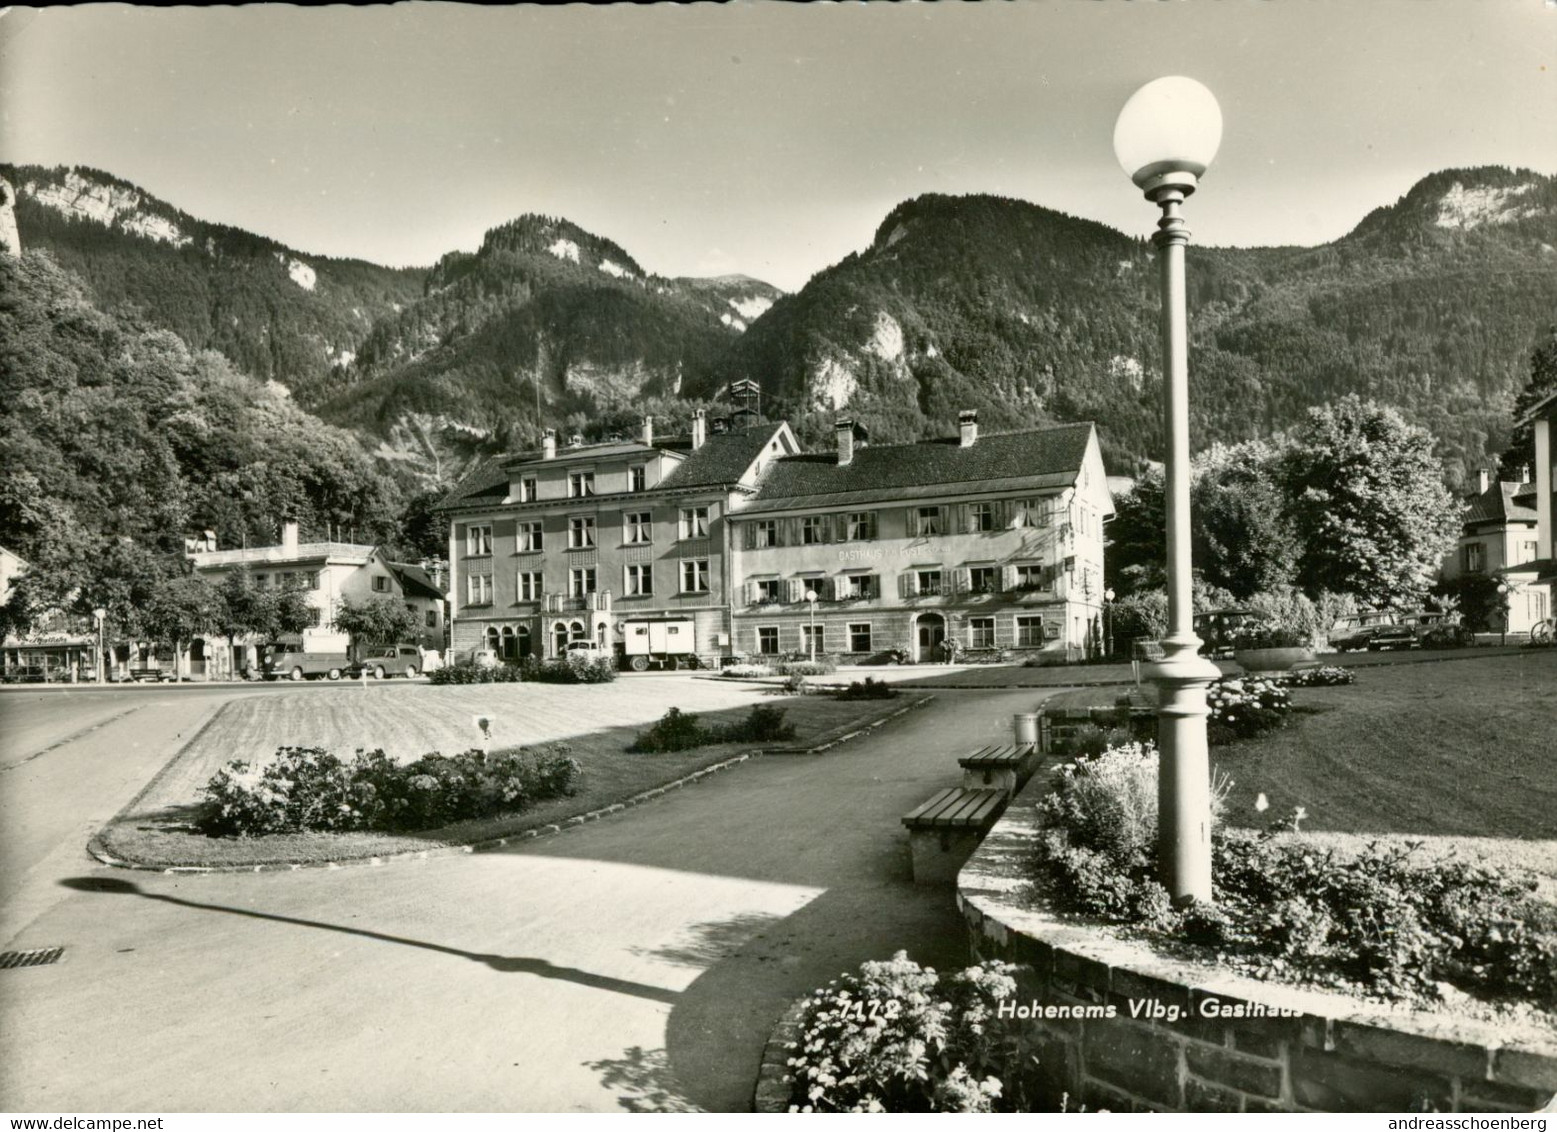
{"x":1168,"y":133}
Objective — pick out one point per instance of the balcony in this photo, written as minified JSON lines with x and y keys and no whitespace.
{"x":599,"y":601}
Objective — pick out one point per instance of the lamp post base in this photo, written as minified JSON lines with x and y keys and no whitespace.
{"x":1184,"y":770}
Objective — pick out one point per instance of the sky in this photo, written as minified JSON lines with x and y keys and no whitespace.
{"x":763,"y":138}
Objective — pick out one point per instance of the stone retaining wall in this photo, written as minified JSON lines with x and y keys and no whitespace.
{"x":1193,"y":1038}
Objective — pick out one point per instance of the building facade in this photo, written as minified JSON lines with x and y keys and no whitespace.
{"x":967,"y":546}
{"x":584,"y":541}
{"x":1533,"y":583}
{"x":1499,"y":539}
{"x":327,"y":574}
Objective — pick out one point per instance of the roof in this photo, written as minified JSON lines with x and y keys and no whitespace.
{"x":414,"y":581}
{"x":1503,"y":502}
{"x":307,"y":552}
{"x":1545,"y":406}
{"x":723,"y":459}
{"x":1053,"y":455}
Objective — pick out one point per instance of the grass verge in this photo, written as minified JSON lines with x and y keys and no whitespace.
{"x":154,"y":830}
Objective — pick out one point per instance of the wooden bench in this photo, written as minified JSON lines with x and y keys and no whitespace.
{"x":944,"y":831}
{"x":1005,"y":768}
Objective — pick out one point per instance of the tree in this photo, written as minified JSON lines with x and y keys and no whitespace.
{"x":1241,"y":527}
{"x":375,"y":620}
{"x":1137,"y":537}
{"x":1369,"y":504}
{"x":243,"y":609}
{"x":1520,"y":453}
{"x":180,"y":607}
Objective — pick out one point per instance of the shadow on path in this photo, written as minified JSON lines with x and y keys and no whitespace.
{"x":508,"y":964}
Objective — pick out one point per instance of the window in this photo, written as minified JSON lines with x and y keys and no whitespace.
{"x":1029,"y":632}
{"x":1029,"y":576}
{"x":581,"y":531}
{"x":637,"y":478}
{"x":768,"y":590}
{"x":861,"y":586}
{"x":927,"y":582}
{"x":981,"y":632}
{"x":639,"y":581}
{"x":478,"y":539}
{"x":1031,"y":512}
{"x":981,"y":517}
{"x":529,"y":585}
{"x":529,"y":490}
{"x":694,"y":522}
{"x":767,"y":640}
{"x":1473,"y":558}
{"x":581,"y":581}
{"x":983,"y":580}
{"x":813,"y":635}
{"x":478,"y":589}
{"x":261,"y":581}
{"x":694,"y":576}
{"x":765,"y":532}
{"x":530,"y":537}
{"x":311,"y":578}
{"x":1526,"y":553}
{"x":862,"y":526}
{"x":380,"y":585}
{"x":314,"y":618}
{"x":581,"y":484}
{"x":812,"y":530}
{"x":924,"y":521}
{"x":432,"y":618}
{"x":859,"y":637}
{"x":640,"y":527}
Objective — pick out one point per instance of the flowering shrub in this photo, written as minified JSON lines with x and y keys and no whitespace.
{"x":575,"y":668}
{"x":308,"y":788}
{"x":869,"y":689}
{"x":1089,"y":741}
{"x":1269,"y":637}
{"x":1099,"y":846}
{"x":1323,"y":676}
{"x":1372,"y":922}
{"x":1242,"y":706}
{"x":820,"y":667}
{"x":746,"y":670}
{"x":898,"y":1037}
{"x":677,"y":730}
{"x":467,"y":673}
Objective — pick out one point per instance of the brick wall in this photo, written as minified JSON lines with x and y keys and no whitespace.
{"x":1191,"y":1039}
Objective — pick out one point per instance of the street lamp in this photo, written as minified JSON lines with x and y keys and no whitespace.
{"x":1108,"y":622}
{"x":1506,"y":593}
{"x":1165,"y":137}
{"x":811,"y":601}
{"x":100,"y":615}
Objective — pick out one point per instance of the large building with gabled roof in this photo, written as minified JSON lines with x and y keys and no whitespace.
{"x":969,"y":545}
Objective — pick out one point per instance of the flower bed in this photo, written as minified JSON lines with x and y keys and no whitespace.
{"x":1324,"y":676}
{"x":1242,"y":706}
{"x":310,"y":789}
{"x":868,"y":689}
{"x":898,"y":1037}
{"x":1374,"y":923}
{"x":680,"y":731}
{"x":572,"y":669}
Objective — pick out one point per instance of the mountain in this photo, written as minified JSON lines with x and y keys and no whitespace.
{"x":116,"y":434}
{"x":1029,"y":315}
{"x":545,"y":321}
{"x":276,"y":313}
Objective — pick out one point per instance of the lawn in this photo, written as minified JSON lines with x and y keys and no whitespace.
{"x":411,"y":720}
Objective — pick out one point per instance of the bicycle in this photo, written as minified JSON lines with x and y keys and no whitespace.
{"x":1543,"y":632}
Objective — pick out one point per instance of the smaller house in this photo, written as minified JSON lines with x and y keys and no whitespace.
{"x":59,"y":648}
{"x":1533,"y":581}
{"x":1498,"y":541}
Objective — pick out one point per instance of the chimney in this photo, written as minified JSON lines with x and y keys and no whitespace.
{"x":549,"y":444}
{"x":968,"y":427}
{"x":845,"y":429}
{"x":648,"y":432}
{"x":289,"y":538}
{"x":1483,"y":481}
{"x":1524,"y":473}
{"x":699,"y":429}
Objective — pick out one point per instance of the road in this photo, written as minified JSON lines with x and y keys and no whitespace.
{"x":635,"y":963}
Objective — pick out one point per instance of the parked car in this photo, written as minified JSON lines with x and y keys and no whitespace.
{"x":589,"y":650}
{"x":1220,"y":627}
{"x":1355,"y":631}
{"x":388,"y":660}
{"x":290,"y":662}
{"x":1397,"y":636}
{"x":1439,"y":630}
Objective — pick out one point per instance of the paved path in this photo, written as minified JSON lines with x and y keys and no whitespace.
{"x":636,"y":963}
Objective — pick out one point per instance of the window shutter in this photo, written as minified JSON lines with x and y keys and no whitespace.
{"x":912,"y":522}
{"x":1008,"y":577}
{"x":944,"y":517}
{"x":749,"y":536}
{"x":796,"y":589}
{"x":964,"y":580}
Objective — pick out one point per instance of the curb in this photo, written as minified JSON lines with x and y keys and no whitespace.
{"x":773,"y":1078}
{"x":100,"y":852}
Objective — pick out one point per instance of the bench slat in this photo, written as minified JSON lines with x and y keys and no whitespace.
{"x":919,"y":813}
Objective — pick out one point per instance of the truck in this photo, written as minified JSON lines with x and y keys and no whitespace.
{"x":668,"y":643}
{"x":289,"y":660}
